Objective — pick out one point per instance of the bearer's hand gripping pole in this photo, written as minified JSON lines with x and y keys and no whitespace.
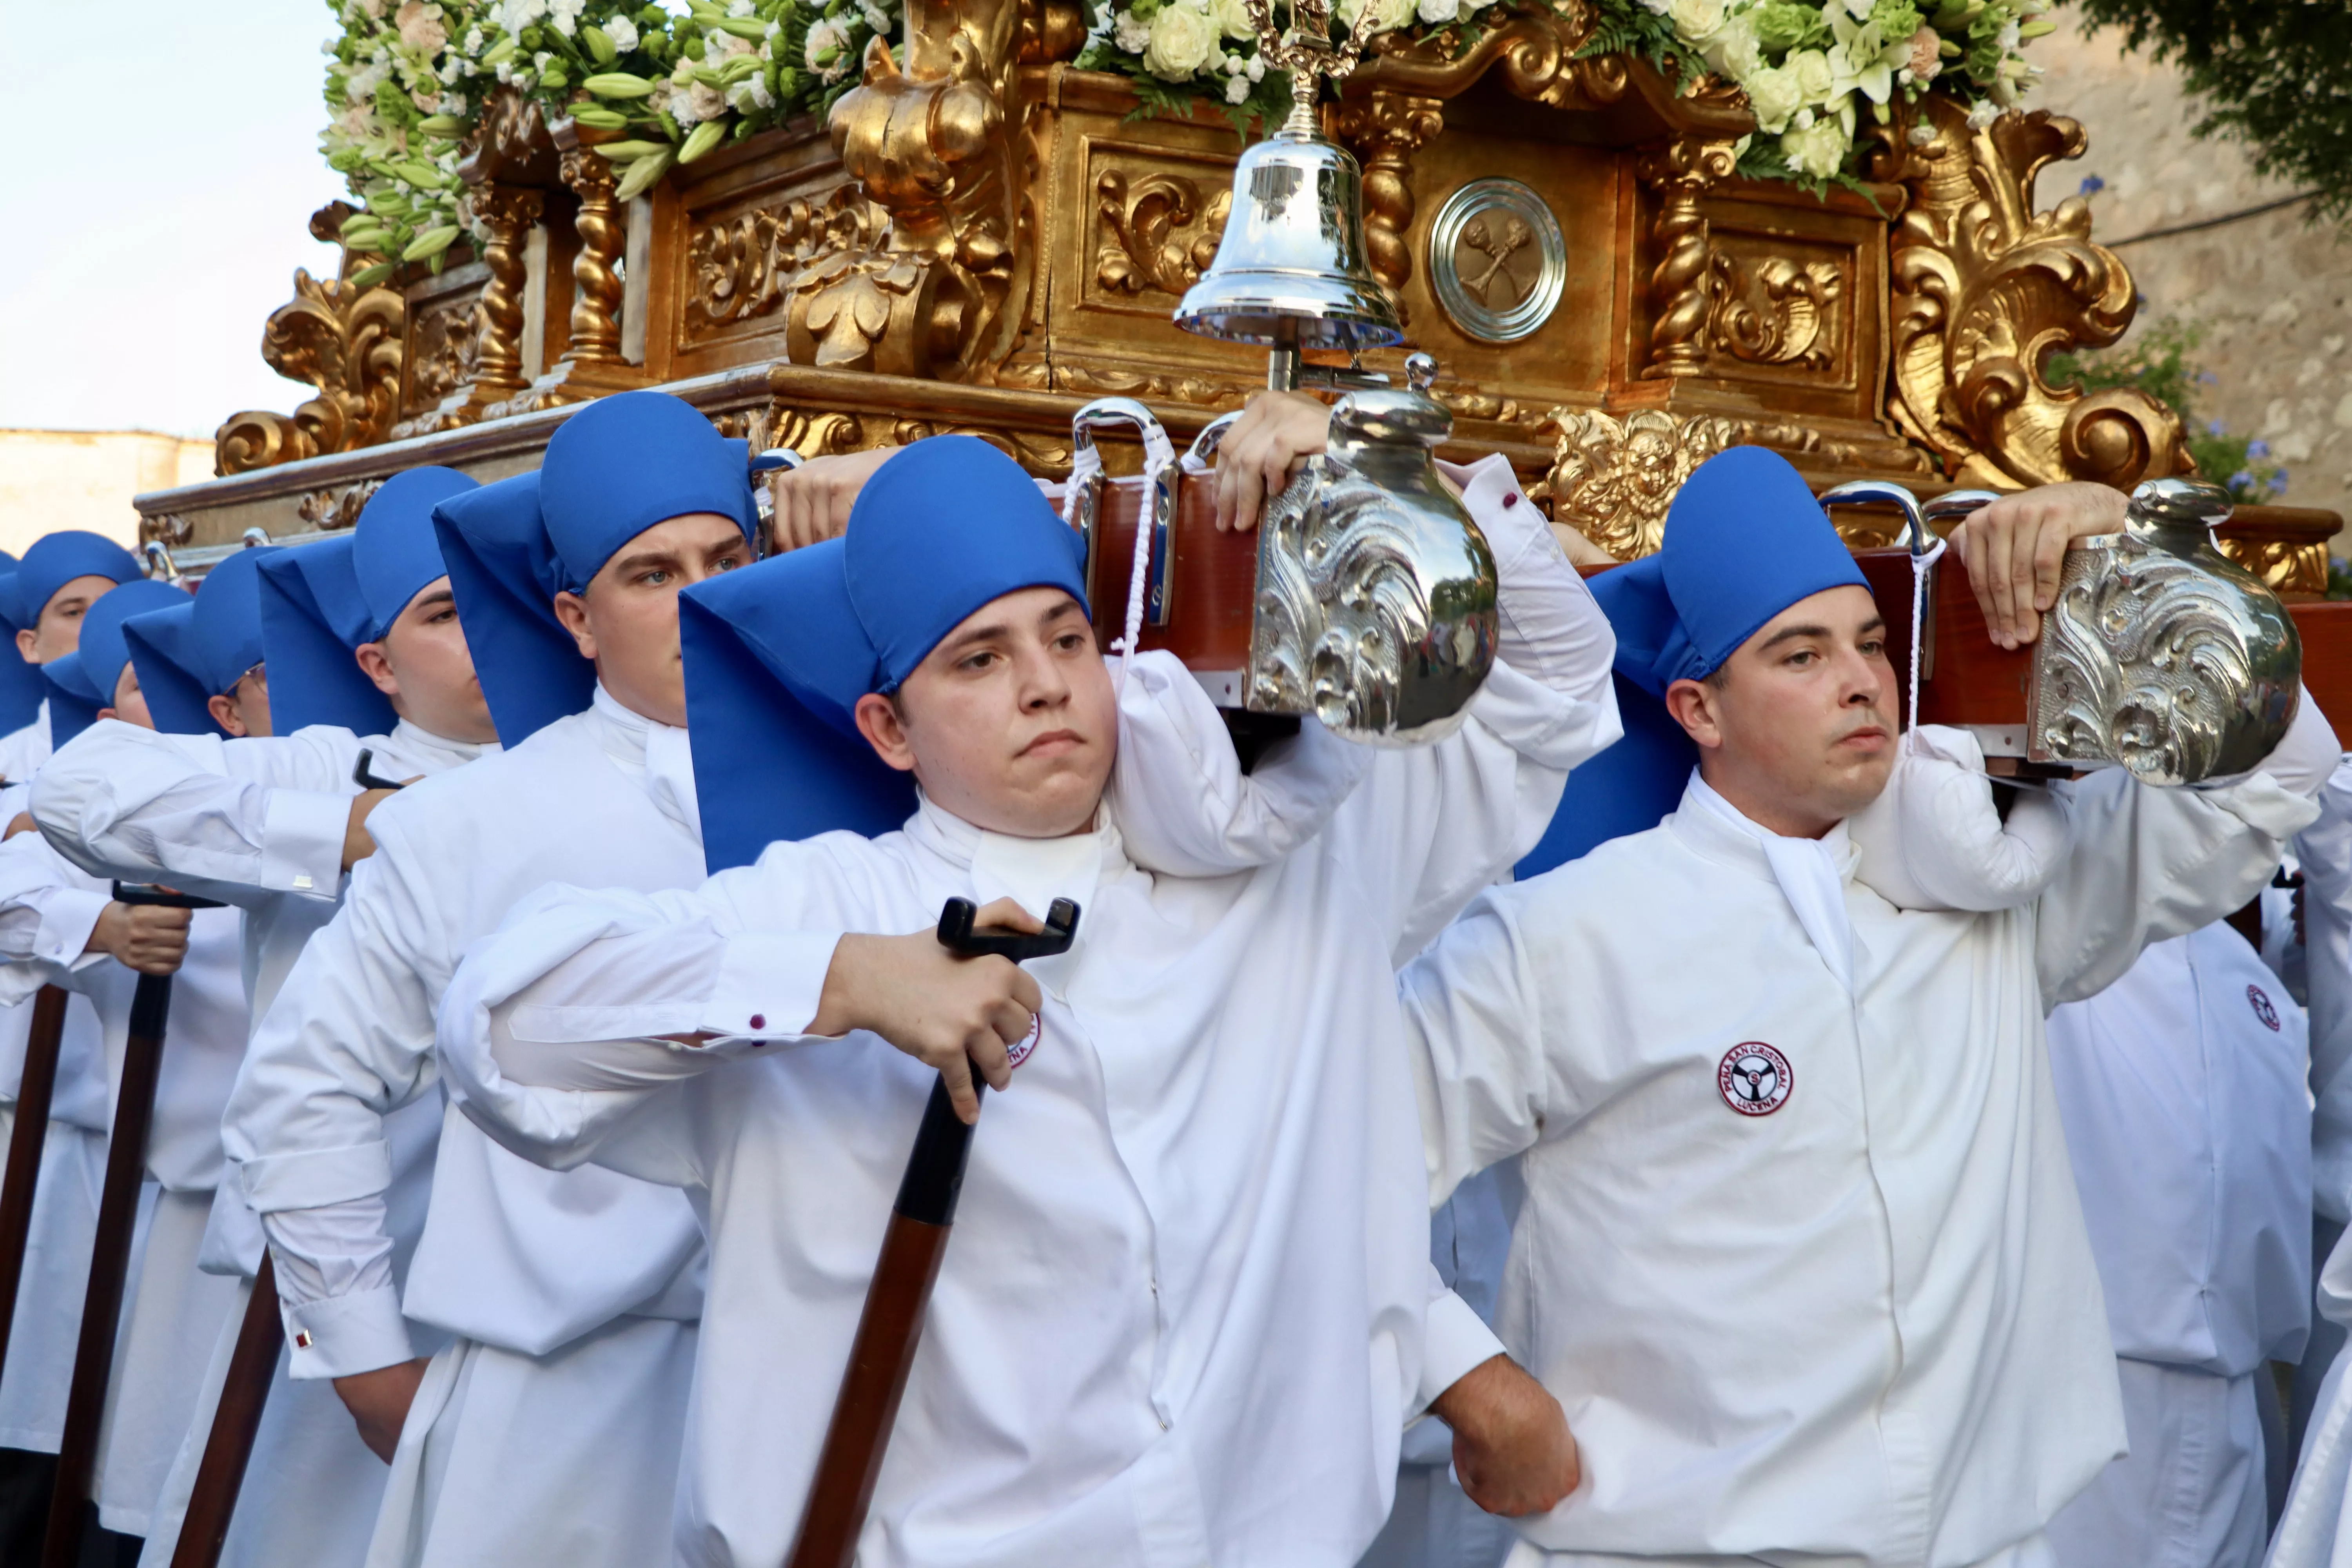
{"x":892,"y":1324}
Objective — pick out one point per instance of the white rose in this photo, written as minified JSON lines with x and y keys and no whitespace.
{"x":1184,"y":39}
{"x":1387,"y":15}
{"x":706,"y":102}
{"x":1233,"y":19}
{"x":623,"y":32}
{"x":1131,"y":34}
{"x":1237,"y":89}
{"x":1814,"y":79}
{"x":1735,"y":51}
{"x":1436,"y":12}
{"x":1772,"y":94}
{"x":1818,"y":151}
{"x":1695,"y":21}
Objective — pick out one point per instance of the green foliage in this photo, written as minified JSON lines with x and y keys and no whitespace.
{"x":2158,"y":360}
{"x":2270,"y":73}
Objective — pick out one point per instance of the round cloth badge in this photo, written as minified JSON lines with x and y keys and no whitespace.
{"x":1755,"y":1079}
{"x":2260,"y":1002}
{"x":1018,"y":1052}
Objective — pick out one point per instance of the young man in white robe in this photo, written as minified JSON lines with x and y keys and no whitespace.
{"x":2183,"y":1087}
{"x":59,"y":925}
{"x":43,"y":602}
{"x":1800,"y":1253}
{"x":364,"y":654}
{"x":1188,"y":1306}
{"x":547,"y":1427}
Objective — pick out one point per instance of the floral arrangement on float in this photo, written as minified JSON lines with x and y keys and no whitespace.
{"x":1811,"y":72}
{"x":406,"y":81}
{"x":667,"y":83}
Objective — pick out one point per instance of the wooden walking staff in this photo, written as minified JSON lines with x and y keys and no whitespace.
{"x":220,"y":1475}
{"x":110,"y":1259}
{"x":892,"y":1324}
{"x":26,"y":1142}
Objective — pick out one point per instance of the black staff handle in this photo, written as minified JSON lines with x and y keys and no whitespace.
{"x":891,"y":1326}
{"x":109,"y":1259}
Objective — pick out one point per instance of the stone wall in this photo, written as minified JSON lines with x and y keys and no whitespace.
{"x":2273,"y":294}
{"x":85,"y":478}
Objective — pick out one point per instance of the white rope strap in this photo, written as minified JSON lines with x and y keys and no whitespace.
{"x":1159,"y":457}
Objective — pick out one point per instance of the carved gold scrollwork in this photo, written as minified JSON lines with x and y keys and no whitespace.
{"x":1384,"y":130}
{"x":1780,"y":312}
{"x":2284,"y":565}
{"x":747,"y":266}
{"x":1534,"y":52}
{"x":1680,"y":172}
{"x":1985,"y":288}
{"x":934,"y":143}
{"x":329,"y":510}
{"x":166,"y":528}
{"x":1160,"y":236}
{"x":1051,"y":30}
{"x":344,"y":341}
{"x":1613,"y":476}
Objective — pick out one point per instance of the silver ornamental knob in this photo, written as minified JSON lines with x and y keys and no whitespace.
{"x":1376,"y":598}
{"x":2162,"y":654}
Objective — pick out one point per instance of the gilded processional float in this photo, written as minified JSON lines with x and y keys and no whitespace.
{"x":1628,"y":234}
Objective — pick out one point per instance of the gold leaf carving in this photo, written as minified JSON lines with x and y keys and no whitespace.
{"x":1781,"y":312}
{"x":746,"y":267}
{"x":329,"y":510}
{"x":934,"y":142}
{"x":1160,"y":237}
{"x":1613,"y":476}
{"x":345,"y":341}
{"x":2284,"y":565}
{"x":1985,"y":288}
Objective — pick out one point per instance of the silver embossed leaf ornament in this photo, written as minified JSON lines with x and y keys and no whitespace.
{"x":2161,"y":655}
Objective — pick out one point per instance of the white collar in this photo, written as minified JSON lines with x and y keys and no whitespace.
{"x":1032,"y":872}
{"x":426,"y":746}
{"x":656,"y":753}
{"x":1812,"y":874}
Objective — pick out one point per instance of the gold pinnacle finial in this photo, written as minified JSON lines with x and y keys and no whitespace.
{"x":1306,"y":52}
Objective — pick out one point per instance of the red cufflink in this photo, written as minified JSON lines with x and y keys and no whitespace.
{"x":1510,"y":499}
{"x":758,"y":1020}
{"x":302,"y":1339}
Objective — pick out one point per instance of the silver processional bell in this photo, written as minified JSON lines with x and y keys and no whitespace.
{"x":1375,"y":601}
{"x":1290,"y":272}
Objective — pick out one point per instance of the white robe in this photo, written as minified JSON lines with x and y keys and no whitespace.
{"x":517,"y":1263}
{"x":2182,"y":1089}
{"x":1805,"y":1265}
{"x":1188,"y":1305}
{"x":259,"y":823}
{"x":171,"y":1312}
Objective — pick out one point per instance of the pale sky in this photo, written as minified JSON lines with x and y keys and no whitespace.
{"x":164,"y":163}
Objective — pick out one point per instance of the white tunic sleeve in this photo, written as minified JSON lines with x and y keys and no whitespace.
{"x":46,"y":915}
{"x":233,"y":820}
{"x":2148,"y":864}
{"x":1475,"y":1028}
{"x":348,"y":1040}
{"x":1431,"y":825}
{"x":2324,"y":851}
{"x":551,"y":1035}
